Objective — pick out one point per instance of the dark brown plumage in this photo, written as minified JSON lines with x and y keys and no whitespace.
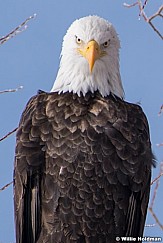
{"x":82,"y":169}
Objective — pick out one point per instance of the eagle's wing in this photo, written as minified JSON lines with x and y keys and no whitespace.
{"x":141,"y":162}
{"x":29,"y":172}
{"x":39,"y":147}
{"x":131,"y":139}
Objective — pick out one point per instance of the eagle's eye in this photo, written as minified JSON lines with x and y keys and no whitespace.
{"x":78,"y":40}
{"x":106,"y":43}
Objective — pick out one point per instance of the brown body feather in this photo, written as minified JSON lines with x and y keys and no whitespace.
{"x":82,"y":169}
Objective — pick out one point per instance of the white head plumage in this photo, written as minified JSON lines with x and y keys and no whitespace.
{"x":90,"y":59}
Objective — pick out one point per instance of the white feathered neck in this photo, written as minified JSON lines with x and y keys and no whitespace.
{"x":74,"y":74}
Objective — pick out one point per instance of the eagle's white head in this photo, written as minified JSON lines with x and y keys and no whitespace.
{"x":90,"y":59}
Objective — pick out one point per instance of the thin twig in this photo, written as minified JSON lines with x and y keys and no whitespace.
{"x":11,"y":90}
{"x":130,"y":5}
{"x":161,"y":110}
{"x":7,"y":185}
{"x":147,"y":19}
{"x":158,"y":13}
{"x":145,"y":3}
{"x":142,"y":12}
{"x":154,"y":28}
{"x":157,"y":180}
{"x":155,"y":191}
{"x":8,"y":134}
{"x":155,"y":217}
{"x":23,"y":26}
{"x":158,"y":177}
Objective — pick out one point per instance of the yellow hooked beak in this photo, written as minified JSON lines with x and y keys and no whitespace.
{"x":91,"y":52}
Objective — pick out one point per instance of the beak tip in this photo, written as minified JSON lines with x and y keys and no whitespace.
{"x":91,"y":69}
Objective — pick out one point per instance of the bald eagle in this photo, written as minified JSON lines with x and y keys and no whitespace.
{"x":83,"y":154}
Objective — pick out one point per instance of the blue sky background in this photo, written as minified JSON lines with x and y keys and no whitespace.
{"x":31,"y":59}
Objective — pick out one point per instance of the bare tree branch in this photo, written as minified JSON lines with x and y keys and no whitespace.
{"x":8,"y":134}
{"x":161,"y":110}
{"x":11,"y":90}
{"x":130,"y":5}
{"x":157,"y":178}
{"x":143,"y":14}
{"x":7,"y":185}
{"x":155,"y":217}
{"x":23,"y":26}
{"x":158,"y":13}
{"x":157,"y":181}
{"x":149,"y":20}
